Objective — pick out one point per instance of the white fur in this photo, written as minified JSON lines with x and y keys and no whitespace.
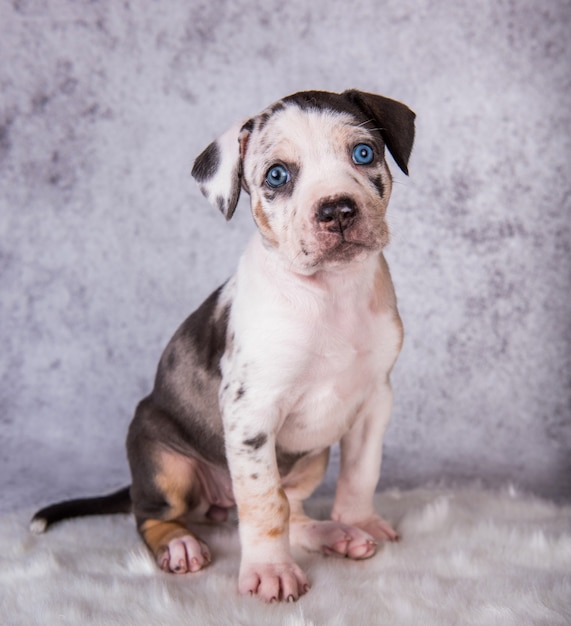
{"x":467,"y":557}
{"x":317,"y":348}
{"x":320,"y":143}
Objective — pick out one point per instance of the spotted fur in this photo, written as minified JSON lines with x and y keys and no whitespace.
{"x":288,"y":357}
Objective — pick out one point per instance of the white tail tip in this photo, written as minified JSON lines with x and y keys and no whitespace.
{"x":38,"y":525}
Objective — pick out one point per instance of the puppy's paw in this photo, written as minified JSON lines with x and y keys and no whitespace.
{"x":334,"y":539}
{"x":378,"y":528}
{"x":184,"y":554}
{"x":273,"y":582}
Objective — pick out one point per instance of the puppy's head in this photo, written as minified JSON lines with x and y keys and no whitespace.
{"x":314,"y":166}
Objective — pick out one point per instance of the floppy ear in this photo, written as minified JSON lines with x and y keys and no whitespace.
{"x":218,"y":169}
{"x":394,"y":120}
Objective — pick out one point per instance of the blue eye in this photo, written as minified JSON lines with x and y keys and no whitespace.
{"x":277,"y":176}
{"x":363,"y":154}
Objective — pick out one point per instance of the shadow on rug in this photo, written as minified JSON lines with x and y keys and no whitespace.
{"x":467,"y":556}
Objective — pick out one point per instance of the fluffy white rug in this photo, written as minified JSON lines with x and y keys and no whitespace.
{"x":468,"y":556}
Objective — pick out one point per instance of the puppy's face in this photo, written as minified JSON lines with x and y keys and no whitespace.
{"x":314,"y":166}
{"x":319,"y":186}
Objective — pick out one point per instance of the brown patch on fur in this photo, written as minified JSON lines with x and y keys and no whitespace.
{"x":382,"y":296}
{"x":244,"y":139}
{"x":158,"y":533}
{"x":264,"y":224}
{"x":177,"y":480}
{"x":269,"y":512}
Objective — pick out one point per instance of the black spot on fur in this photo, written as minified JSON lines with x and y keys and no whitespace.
{"x":207,"y":163}
{"x":248,"y":126}
{"x":378,"y":182}
{"x":240,"y":392}
{"x":256,"y":442}
{"x":264,"y":117}
{"x":319,"y":100}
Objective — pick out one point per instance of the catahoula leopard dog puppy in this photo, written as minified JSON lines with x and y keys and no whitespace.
{"x":288,"y":357}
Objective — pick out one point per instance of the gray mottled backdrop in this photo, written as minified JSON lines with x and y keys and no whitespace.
{"x":106,"y":243}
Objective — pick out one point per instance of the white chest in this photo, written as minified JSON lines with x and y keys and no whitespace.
{"x":339,"y":371}
{"x":310,"y":352}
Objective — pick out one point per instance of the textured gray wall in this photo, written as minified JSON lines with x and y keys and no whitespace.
{"x":106,"y":244}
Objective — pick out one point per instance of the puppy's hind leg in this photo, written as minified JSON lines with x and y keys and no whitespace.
{"x":175,"y":548}
{"x":166,"y":491}
{"x":162,"y":510}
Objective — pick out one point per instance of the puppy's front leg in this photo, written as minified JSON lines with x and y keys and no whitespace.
{"x":267,"y":568}
{"x":361,"y":453}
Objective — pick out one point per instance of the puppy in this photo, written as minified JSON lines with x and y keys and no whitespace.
{"x":291,"y":355}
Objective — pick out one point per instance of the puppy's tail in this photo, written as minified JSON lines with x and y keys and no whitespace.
{"x":116,"y":502}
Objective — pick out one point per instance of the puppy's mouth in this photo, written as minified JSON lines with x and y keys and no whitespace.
{"x":345,"y":249}
{"x":335,"y":253}
{"x":342,"y":249}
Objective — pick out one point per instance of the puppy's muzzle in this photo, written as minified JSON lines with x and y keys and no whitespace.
{"x":336,"y":215}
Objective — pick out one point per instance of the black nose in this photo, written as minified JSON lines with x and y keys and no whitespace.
{"x":337,"y":215}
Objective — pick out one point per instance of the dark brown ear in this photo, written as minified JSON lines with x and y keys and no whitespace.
{"x":394,"y":120}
